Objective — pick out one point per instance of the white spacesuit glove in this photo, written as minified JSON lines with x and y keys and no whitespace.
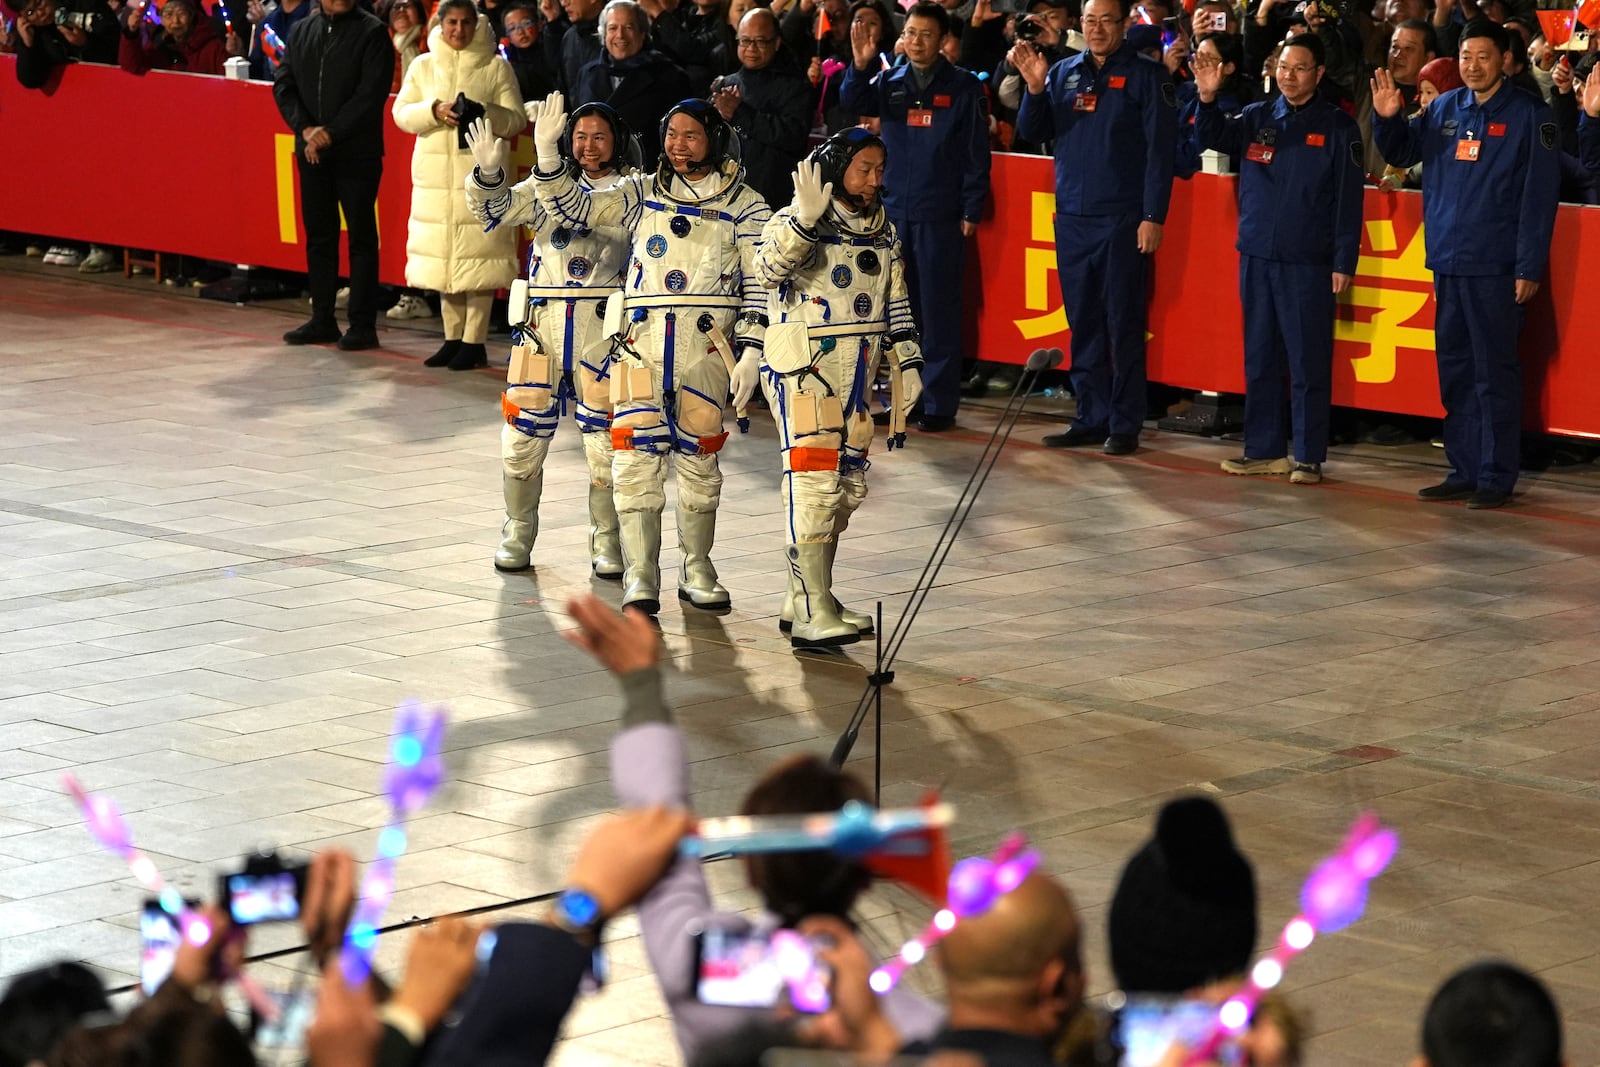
{"x":488,"y":151}
{"x":811,"y":196}
{"x":910,"y":390}
{"x":746,"y":376}
{"x":549,"y":123}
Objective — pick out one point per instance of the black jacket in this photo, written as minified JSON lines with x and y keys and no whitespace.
{"x":774,"y":123}
{"x":580,"y":46}
{"x":701,"y":44}
{"x":336,"y":74}
{"x":647,"y":84}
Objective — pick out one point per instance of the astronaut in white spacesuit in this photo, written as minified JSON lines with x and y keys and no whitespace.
{"x":689,"y":300}
{"x":560,"y":355}
{"x":837,"y":305}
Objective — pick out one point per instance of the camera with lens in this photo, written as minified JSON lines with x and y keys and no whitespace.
{"x":267,"y":889}
{"x":84,"y":21}
{"x":1028,"y":28}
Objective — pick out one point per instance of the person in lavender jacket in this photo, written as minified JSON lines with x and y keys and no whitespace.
{"x":650,"y":766}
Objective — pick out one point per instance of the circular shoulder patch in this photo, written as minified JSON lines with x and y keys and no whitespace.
{"x":561,"y":237}
{"x":843,"y":276}
{"x":868,"y":262}
{"x":656,"y":246}
{"x":679,"y":226}
{"x":863,"y":305}
{"x":676,"y":281}
{"x":579,"y":267}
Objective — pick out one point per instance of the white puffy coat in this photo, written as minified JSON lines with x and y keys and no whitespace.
{"x":446,"y":248}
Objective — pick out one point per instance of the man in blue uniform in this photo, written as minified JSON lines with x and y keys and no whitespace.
{"x":1112,"y":116}
{"x":1490,"y":183}
{"x":1300,"y":179}
{"x":936,"y":126}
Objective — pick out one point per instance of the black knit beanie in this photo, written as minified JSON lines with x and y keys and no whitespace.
{"x":1184,"y":913}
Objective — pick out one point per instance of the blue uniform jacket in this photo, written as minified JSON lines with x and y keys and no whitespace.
{"x":1116,"y":159}
{"x":1300,"y":197}
{"x":1589,"y":143}
{"x":935,"y":173}
{"x":1494,"y":215}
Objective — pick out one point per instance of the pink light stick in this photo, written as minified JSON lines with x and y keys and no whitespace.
{"x":975,"y":885}
{"x":1332,"y":898}
{"x":107,"y":826}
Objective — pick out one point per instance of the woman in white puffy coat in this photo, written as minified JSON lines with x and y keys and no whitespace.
{"x":446,"y":248}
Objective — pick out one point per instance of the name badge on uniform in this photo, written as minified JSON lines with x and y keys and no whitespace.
{"x":1467,"y":151}
{"x":1316,"y":140}
{"x":1117,"y":81}
{"x":1085,"y":102}
{"x":942,"y":100}
{"x":1259,"y":153}
{"x":919,"y":116}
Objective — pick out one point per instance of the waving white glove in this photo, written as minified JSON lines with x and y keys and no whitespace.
{"x":811,"y":196}
{"x":746,"y":376}
{"x":910,"y":390}
{"x":488,"y":151}
{"x":549,"y":123}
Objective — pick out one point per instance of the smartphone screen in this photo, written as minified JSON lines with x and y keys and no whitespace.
{"x":1147,"y":1027}
{"x":161,"y":936}
{"x":263,"y":898}
{"x":746,"y":970}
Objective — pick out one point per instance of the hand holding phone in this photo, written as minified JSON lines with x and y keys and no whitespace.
{"x":755,"y":970}
{"x":267,"y":890}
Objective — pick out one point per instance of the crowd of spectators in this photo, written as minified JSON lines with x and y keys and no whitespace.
{"x":1182,"y":924}
{"x":778,"y":70}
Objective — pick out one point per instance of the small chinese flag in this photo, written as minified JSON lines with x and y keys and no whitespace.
{"x":1556,"y":26}
{"x":825,"y":24}
{"x":271,"y":45}
{"x":1589,"y":14}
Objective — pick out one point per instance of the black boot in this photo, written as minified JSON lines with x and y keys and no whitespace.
{"x":469,"y":357}
{"x":443,"y":357}
{"x":313,"y":332}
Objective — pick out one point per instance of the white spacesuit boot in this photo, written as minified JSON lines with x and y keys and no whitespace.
{"x":522,"y":523}
{"x":816,"y":619}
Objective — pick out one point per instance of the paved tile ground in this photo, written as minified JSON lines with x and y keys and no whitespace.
{"x":223,"y":561}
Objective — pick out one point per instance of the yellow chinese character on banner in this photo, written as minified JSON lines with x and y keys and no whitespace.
{"x":1038,"y":294}
{"x":1385,"y":332}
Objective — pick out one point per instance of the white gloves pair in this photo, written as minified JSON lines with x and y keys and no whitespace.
{"x":747,"y":375}
{"x":811,"y":196}
{"x":549,"y":120}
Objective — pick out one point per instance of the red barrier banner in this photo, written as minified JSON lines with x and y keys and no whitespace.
{"x":205,"y":167}
{"x":174,"y":162}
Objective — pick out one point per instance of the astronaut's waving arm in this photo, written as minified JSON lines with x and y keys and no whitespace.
{"x":561,"y":195}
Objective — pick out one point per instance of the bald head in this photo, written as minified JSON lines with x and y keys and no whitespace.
{"x":759,"y":22}
{"x":1017,"y":966}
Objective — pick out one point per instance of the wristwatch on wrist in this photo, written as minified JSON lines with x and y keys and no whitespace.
{"x":578,"y":913}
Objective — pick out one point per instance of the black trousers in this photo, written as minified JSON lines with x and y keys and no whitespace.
{"x":325,"y":188}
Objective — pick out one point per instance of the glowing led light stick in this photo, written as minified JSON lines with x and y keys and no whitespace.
{"x":413,"y":774}
{"x":975,"y":885}
{"x":853,"y":830}
{"x":227,"y":19}
{"x":106,"y":824}
{"x":1332,"y":898}
{"x":797,"y":964}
